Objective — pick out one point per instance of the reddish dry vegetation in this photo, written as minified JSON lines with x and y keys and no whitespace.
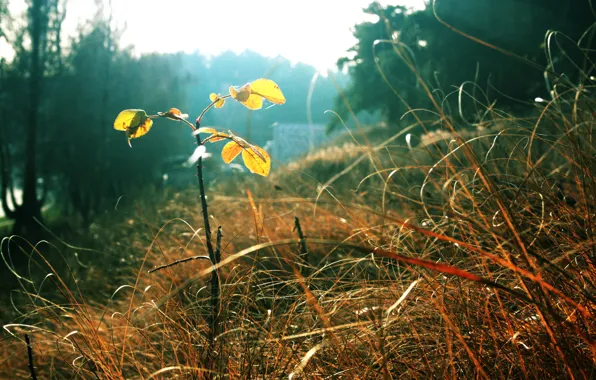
{"x":464,"y":256}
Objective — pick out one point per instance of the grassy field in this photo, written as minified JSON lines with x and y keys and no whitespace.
{"x":445,"y":255}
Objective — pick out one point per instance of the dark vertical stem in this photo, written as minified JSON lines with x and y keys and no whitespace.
{"x":218,"y":246}
{"x":30,"y":355}
{"x":215,"y":287}
{"x":303,"y":251}
{"x":215,"y":303}
{"x":214,"y":282}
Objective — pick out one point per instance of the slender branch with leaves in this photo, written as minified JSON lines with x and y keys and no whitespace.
{"x":136,"y":123}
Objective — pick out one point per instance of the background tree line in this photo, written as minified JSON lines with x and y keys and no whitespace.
{"x":59,"y":98}
{"x":381,"y":64}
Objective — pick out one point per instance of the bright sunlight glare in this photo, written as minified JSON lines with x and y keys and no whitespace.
{"x":314,"y":32}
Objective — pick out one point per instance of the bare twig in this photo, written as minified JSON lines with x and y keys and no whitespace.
{"x":303,"y":251}
{"x":178,"y":262}
{"x":30,"y":355}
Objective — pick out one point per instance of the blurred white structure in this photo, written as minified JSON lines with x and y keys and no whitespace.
{"x":291,"y":141}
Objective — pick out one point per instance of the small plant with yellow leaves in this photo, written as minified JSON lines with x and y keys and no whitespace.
{"x":136,"y":123}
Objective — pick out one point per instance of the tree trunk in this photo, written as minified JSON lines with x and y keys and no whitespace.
{"x":31,"y":206}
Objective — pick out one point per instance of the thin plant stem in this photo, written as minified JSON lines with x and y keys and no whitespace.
{"x":214,"y":282}
{"x":209,"y":107}
{"x":218,"y":246}
{"x":303,"y":251}
{"x":30,"y":357}
{"x":215,"y":294}
{"x":214,"y":255}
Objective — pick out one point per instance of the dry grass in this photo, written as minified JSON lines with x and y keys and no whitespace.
{"x":465,"y":253}
{"x":510,"y":202}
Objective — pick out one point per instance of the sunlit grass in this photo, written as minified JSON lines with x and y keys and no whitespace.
{"x":465,"y":252}
{"x":528,"y":226}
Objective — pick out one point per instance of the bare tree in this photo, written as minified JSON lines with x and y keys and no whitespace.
{"x":44,"y":28}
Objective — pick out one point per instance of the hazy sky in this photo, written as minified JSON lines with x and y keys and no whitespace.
{"x":316,"y":32}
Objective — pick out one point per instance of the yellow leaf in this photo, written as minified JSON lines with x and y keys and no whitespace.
{"x":230,"y":151}
{"x":175,"y":112}
{"x":252,"y":94}
{"x":134,"y":122}
{"x":234,"y":92}
{"x":241,"y":94}
{"x":129,"y":119}
{"x":219,"y":102}
{"x":141,"y":130}
{"x":257,"y":160}
{"x":244,"y":96}
{"x":268,"y":89}
{"x":254,"y":102}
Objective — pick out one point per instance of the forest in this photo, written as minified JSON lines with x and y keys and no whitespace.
{"x":426,"y":209}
